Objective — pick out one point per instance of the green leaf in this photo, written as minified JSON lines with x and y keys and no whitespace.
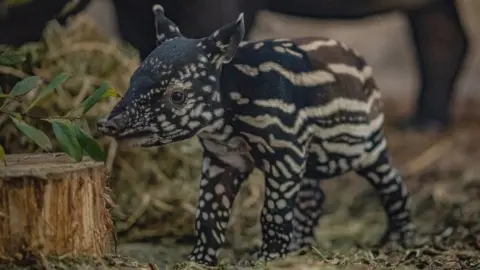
{"x":34,"y":134}
{"x":4,"y":96}
{"x":59,"y":79}
{"x":65,"y":133}
{"x":111,"y":93}
{"x":88,"y":103}
{"x":3,"y":157}
{"x":89,"y":145}
{"x":11,"y":58}
{"x":16,"y":115}
{"x":26,"y":85}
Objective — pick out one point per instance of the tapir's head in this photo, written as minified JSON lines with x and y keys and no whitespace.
{"x":174,"y":94}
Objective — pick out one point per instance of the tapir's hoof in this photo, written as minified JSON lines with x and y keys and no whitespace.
{"x":423,"y":125}
{"x":403,"y":238}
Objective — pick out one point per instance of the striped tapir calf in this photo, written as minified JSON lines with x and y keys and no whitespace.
{"x":301,"y":110}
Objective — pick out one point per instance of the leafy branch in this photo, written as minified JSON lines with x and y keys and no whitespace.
{"x":71,"y":138}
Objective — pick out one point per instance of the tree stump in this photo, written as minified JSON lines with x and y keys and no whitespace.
{"x":52,"y":205}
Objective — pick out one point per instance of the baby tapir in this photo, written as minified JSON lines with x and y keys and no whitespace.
{"x":301,"y":110}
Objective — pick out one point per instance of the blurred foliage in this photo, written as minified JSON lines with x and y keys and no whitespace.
{"x":72,"y":139}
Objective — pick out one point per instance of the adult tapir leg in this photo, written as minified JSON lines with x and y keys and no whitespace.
{"x":441,"y":45}
{"x":200,"y":18}
{"x":135,"y":23}
{"x":26,"y":22}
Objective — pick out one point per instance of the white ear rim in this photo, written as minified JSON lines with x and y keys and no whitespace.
{"x":240,"y":17}
{"x":157,"y":8}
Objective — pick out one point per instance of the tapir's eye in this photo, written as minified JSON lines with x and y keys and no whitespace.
{"x":177,"y":97}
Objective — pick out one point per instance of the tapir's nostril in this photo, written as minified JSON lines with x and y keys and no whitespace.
{"x":102,"y":121}
{"x":115,"y":123}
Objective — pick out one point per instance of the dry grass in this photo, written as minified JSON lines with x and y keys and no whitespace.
{"x":156,"y":189}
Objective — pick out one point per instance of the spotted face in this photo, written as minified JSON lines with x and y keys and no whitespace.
{"x":174,"y":94}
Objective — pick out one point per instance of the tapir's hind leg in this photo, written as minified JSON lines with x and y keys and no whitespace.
{"x":380,"y":173}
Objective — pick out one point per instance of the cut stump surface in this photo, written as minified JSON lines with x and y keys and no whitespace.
{"x":52,"y":205}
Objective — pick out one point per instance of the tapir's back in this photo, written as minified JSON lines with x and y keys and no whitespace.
{"x":317,"y":78}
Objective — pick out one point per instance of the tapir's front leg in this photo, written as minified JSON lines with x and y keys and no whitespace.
{"x":218,"y":188}
{"x":283,"y":173}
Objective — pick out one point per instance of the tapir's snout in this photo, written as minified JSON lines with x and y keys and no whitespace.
{"x":101,"y":122}
{"x":116,"y":123}
{"x":113,"y":125}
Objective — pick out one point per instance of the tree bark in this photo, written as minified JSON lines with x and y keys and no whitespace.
{"x":52,"y":205}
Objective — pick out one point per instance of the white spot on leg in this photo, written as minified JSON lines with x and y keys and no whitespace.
{"x":225,"y":201}
{"x":214,"y":171}
{"x":281,"y":203}
{"x":219,"y":189}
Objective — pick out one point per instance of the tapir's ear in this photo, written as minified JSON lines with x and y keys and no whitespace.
{"x":165,"y":29}
{"x":223,"y":43}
